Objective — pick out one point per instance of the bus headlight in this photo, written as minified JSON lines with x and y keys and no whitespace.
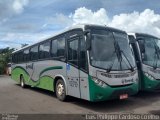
{"x":99,"y":82}
{"x":149,"y":76}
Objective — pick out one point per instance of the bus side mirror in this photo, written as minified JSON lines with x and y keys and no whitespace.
{"x":142,"y":48}
{"x":87,"y":33}
{"x":131,"y":39}
{"x":141,"y":45}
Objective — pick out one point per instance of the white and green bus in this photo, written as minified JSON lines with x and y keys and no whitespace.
{"x":90,"y":62}
{"x":147,"y":54}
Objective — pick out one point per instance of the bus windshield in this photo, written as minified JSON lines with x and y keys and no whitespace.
{"x":111,"y":51}
{"x":151,"y":54}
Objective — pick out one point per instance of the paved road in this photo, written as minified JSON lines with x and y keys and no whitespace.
{"x":14,"y":99}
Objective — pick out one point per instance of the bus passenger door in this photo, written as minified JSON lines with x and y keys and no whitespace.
{"x":72,"y":67}
{"x":83,"y":70}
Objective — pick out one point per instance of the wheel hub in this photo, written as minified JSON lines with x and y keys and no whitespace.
{"x":22,"y":84}
{"x":60,"y":89}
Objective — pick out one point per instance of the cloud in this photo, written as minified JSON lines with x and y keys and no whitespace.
{"x":31,"y":30}
{"x":16,"y":39}
{"x":83,"y":15}
{"x":146,"y":21}
{"x":18,"y":5}
{"x":58,"y":21}
{"x":9,"y":8}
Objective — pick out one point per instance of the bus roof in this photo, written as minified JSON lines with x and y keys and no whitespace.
{"x":81,"y":26}
{"x":55,"y":34}
{"x":143,"y":34}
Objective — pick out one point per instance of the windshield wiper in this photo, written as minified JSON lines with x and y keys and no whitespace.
{"x":131,"y":67}
{"x":157,"y":53}
{"x":109,"y":69}
{"x":118,"y":53}
{"x":119,"y":56}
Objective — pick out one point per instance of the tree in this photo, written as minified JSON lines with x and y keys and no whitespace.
{"x":5,"y":58}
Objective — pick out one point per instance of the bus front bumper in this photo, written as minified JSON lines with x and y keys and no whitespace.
{"x":150,"y":85}
{"x":98,"y":93}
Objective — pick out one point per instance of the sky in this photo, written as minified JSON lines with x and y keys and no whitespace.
{"x":29,"y":21}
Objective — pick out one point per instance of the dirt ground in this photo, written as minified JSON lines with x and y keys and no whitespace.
{"x":14,"y":99}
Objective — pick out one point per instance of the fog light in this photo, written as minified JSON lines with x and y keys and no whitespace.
{"x":150,"y":76}
{"x":99,"y":82}
{"x":96,"y":81}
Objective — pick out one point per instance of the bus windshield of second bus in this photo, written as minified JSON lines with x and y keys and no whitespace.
{"x":110,"y":51}
{"x":151,"y":51}
{"x":147,"y":53}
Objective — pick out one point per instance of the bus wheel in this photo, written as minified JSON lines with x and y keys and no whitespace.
{"x":22,"y":83}
{"x":60,"y":90}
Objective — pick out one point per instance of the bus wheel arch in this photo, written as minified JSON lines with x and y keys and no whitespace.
{"x":60,"y":83}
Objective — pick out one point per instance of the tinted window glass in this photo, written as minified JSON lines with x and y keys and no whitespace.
{"x":44,"y":50}
{"x":61,"y":47}
{"x":83,"y":58}
{"x":73,"y":52}
{"x":14,"y":58}
{"x":34,"y":53}
{"x":26,"y":55}
{"x":54,"y":48}
{"x":111,"y":50}
{"x":58,"y":47}
{"x":20,"y":57}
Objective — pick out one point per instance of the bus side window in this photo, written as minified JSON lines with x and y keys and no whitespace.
{"x":61,"y":47}
{"x":54,"y":48}
{"x":73,"y":52}
{"x":83,"y":58}
{"x":44,"y":50}
{"x":58,"y":47}
{"x":13,"y":58}
{"x":34,"y":53}
{"x":16,"y":58}
{"x":19,"y":57}
{"x":26,"y":55}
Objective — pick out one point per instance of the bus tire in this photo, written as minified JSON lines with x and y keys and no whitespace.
{"x":22,"y":83}
{"x":60,"y":90}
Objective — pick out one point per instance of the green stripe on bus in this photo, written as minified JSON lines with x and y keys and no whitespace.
{"x":50,"y":68}
{"x":21,"y":68}
{"x":45,"y":82}
{"x":25,"y":73}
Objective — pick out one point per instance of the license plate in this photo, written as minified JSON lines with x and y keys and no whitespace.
{"x":124,"y":96}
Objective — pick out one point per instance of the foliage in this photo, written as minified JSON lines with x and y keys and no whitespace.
{"x":5,"y":58}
